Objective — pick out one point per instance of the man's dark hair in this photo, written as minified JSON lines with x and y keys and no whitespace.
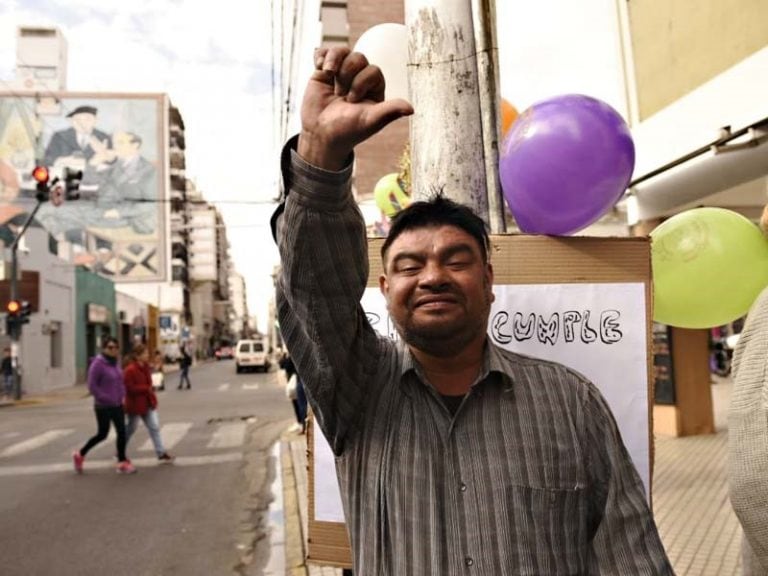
{"x":107,"y":340}
{"x":134,"y":138}
{"x":438,"y":211}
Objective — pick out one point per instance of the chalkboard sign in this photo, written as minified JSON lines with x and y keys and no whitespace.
{"x":663,"y":373}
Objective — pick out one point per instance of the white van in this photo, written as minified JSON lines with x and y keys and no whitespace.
{"x":251,"y":354}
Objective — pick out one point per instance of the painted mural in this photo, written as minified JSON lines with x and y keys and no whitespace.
{"x":116,"y":226}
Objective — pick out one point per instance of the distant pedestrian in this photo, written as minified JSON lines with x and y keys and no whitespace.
{"x":185,"y":363}
{"x":7,"y":370}
{"x":140,"y":400}
{"x":296,"y":394}
{"x":158,"y":373}
{"x":105,"y":382}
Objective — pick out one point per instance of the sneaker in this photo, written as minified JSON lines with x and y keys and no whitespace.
{"x":125,"y":467}
{"x":295,"y":428}
{"x":77,"y":460}
{"x":165,"y":458}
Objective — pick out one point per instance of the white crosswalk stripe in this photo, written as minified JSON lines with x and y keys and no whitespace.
{"x":91,"y":465}
{"x":170,"y":433}
{"x":250,"y":386}
{"x":34,"y":442}
{"x":223,"y":387}
{"x":225,"y":435}
{"x":228,"y":435}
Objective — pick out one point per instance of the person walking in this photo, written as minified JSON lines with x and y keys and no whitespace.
{"x":141,"y":401}
{"x":453,"y":455}
{"x":105,"y":382}
{"x":7,"y":369}
{"x":186,"y":362}
{"x":295,"y":393}
{"x":158,"y":374}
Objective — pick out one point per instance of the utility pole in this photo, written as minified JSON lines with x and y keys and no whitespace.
{"x":15,"y":326}
{"x":453,"y":78}
{"x":46,"y":190}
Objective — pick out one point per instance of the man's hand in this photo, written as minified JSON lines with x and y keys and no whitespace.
{"x":343,"y":106}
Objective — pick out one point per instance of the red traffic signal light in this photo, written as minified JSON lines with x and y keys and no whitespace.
{"x":13,"y":307}
{"x":40,"y":174}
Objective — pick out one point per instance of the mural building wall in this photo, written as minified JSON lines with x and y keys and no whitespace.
{"x":118,"y":143}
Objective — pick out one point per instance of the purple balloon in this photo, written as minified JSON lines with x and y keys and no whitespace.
{"x":564,"y":163}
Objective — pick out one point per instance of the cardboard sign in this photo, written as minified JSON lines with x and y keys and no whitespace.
{"x":584,"y":302}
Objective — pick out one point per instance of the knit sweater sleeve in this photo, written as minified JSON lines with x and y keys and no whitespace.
{"x":748,"y":430}
{"x":324,"y":255}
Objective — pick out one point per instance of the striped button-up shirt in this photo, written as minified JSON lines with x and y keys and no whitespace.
{"x":529,"y":476}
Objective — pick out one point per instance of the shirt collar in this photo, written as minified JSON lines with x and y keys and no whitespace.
{"x":493,"y":362}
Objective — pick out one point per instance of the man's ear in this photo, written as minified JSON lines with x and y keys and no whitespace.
{"x":489,"y":277}
{"x":384,"y":285}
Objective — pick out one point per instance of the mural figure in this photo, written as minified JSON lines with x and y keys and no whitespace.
{"x":76,"y":145}
{"x":115,"y":225}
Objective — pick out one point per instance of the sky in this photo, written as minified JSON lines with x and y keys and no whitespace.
{"x":214,"y":60}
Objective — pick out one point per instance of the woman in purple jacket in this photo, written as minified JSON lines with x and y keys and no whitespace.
{"x":105,"y":382}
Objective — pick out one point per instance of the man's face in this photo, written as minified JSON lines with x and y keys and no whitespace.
{"x":124,"y":145}
{"x":84,"y":122}
{"x":438,"y":289}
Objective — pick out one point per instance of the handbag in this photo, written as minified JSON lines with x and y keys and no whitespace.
{"x":291,"y":389}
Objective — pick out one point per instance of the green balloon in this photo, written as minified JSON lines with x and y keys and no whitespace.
{"x":709,"y":265}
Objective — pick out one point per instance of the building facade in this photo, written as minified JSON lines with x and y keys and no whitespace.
{"x":47,"y":346}
{"x":238,"y":319}
{"x":95,"y":314}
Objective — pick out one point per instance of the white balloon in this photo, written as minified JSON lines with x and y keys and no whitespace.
{"x":386,"y":46}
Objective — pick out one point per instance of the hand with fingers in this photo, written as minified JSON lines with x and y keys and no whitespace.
{"x":343,"y":106}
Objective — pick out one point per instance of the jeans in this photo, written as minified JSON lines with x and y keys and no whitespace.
{"x":152,"y":423}
{"x":184,"y":376}
{"x":105,"y":415}
{"x":300,"y":403}
{"x":8,"y":384}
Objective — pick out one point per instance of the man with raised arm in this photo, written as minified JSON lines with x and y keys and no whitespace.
{"x":453,"y":455}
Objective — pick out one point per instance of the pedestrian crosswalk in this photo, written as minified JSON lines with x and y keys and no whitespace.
{"x":34,"y":442}
{"x":193,"y":444}
{"x":228,"y":435}
{"x":246,"y":387}
{"x":170,"y":433}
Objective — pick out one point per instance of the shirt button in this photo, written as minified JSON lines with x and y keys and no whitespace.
{"x":463,"y":487}
{"x":468,"y":561}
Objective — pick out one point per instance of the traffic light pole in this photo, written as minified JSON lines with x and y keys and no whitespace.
{"x":16,"y":329}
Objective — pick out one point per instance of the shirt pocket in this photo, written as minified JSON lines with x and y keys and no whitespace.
{"x":548,"y":529}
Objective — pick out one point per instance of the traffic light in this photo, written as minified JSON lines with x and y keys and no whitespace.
{"x":41,"y":176}
{"x":72,"y":180}
{"x":24,"y":313}
{"x":18,"y":312}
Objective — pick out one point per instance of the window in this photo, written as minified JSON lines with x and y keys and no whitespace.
{"x":244,"y":347}
{"x":258,"y":347}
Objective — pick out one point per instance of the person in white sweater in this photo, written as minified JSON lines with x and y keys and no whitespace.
{"x":748,"y":434}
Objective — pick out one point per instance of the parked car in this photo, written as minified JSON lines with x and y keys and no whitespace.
{"x":251,"y":354}
{"x":224,"y":353}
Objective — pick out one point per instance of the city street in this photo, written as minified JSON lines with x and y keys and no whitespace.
{"x":205,"y":514}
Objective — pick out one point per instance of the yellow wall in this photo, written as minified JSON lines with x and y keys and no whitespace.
{"x":680,"y":44}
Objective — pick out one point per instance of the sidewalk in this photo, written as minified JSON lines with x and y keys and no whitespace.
{"x":690,"y":501}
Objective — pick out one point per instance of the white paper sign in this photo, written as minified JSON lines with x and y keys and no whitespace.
{"x":328,"y":507}
{"x":598,"y":330}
